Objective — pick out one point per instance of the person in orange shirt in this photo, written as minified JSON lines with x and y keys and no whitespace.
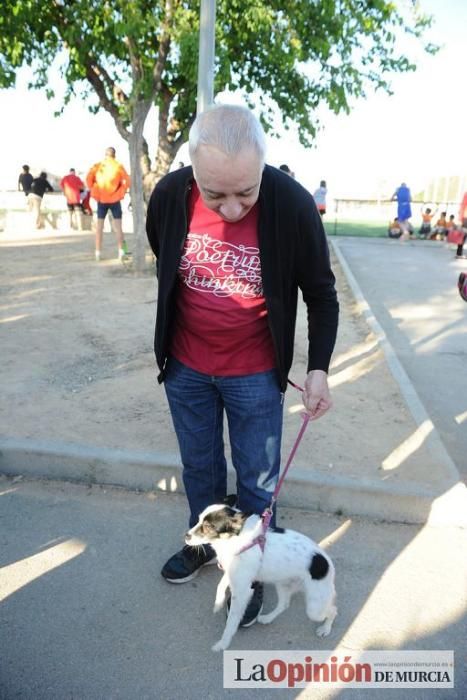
{"x":441,"y":227}
{"x":451,"y":224}
{"x":108,"y":182}
{"x":394,"y":229}
{"x":425,"y":228}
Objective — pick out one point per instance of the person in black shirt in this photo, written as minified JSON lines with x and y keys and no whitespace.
{"x":39,"y":186}
{"x":25,"y":180}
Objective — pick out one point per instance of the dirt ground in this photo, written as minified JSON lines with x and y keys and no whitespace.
{"x":78,"y":366}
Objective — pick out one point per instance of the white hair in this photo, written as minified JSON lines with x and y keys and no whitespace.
{"x":230,"y":128}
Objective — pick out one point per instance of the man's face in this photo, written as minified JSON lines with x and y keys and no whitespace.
{"x":229,"y":185}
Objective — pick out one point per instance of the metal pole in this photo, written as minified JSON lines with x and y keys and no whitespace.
{"x":207,"y":24}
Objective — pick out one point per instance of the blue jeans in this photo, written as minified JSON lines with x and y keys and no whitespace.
{"x":253,"y":406}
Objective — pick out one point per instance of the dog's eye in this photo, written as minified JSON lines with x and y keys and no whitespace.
{"x":208,"y":529}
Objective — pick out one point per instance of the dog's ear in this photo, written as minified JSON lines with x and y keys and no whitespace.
{"x":230,"y":500}
{"x":237,"y":521}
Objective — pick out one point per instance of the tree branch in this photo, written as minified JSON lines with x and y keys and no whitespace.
{"x":94,"y":75}
{"x":164,"y":47}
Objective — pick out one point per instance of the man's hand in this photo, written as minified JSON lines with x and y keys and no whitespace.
{"x":316,"y":396}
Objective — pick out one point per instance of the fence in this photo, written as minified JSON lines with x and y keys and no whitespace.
{"x":377,"y":213}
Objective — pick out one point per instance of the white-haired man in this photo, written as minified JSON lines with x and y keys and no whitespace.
{"x":234,"y":240}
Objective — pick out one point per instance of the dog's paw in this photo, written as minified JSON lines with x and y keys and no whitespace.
{"x":219,"y":646}
{"x":264,"y":619}
{"x":323,"y":630}
{"x":218,"y":606}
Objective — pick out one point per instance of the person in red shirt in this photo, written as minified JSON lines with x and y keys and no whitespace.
{"x":72,"y":187}
{"x":235,"y":240}
{"x":463,"y":220}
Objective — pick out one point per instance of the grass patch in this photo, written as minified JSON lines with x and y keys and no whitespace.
{"x":366,"y":229}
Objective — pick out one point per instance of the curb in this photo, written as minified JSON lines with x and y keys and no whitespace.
{"x":162,"y":472}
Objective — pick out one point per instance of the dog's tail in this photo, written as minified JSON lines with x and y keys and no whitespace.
{"x":319,"y":567}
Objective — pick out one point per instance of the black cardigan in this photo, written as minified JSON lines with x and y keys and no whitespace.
{"x":293,"y":252}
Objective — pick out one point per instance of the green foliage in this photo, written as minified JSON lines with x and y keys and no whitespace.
{"x":362,"y":228}
{"x":288,"y":57}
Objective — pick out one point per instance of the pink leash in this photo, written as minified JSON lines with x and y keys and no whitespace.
{"x":267,"y":513}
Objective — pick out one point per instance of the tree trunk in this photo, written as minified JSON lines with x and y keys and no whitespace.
{"x":138,"y":207}
{"x":170,"y":139}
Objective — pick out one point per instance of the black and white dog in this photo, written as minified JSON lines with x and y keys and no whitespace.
{"x":291,"y":561}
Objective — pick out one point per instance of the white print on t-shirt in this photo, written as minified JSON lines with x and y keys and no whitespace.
{"x":221,"y":268}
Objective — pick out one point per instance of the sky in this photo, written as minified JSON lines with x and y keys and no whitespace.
{"x":414,"y":135}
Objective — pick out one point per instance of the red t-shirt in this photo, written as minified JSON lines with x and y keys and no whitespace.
{"x":72,"y":185}
{"x":221,"y":325}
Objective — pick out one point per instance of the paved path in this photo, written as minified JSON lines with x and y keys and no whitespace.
{"x":411,"y":289}
{"x":87,"y":616}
